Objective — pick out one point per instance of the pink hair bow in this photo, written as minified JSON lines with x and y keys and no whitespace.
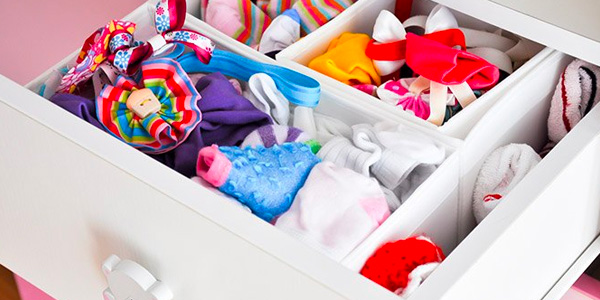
{"x":115,"y":43}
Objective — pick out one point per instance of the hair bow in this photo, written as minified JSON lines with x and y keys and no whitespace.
{"x":155,"y":115}
{"x":115,"y":43}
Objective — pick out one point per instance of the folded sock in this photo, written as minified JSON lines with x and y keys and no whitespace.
{"x":577,"y":91}
{"x":403,"y":265}
{"x":502,"y":170}
{"x":283,"y":31}
{"x":335,"y":210}
{"x":346,"y":61}
{"x":344,"y":153}
{"x":270,"y":135}
{"x":264,"y":179}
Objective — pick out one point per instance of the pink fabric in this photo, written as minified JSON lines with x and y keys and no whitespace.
{"x":376,"y":208}
{"x":213,"y":166}
{"x":440,"y":63}
{"x":585,"y":288}
{"x":224,"y":15}
{"x":29,"y":292}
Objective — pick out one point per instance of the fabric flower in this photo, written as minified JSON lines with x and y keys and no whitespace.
{"x":161,"y":131}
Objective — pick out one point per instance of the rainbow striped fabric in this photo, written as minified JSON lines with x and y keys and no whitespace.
{"x":246,"y":21}
{"x":161,"y":131}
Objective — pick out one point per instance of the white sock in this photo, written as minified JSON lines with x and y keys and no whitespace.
{"x":344,"y":153}
{"x":283,"y":31}
{"x":502,"y":170}
{"x":335,"y":210}
{"x":266,"y":97}
{"x":329,"y":127}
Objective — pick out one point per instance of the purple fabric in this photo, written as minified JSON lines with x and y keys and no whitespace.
{"x":82,"y":107}
{"x":293,"y":134}
{"x":267,"y":135}
{"x":227,"y":118}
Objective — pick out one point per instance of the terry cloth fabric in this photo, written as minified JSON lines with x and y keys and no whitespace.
{"x":270,"y":135}
{"x":264,"y":179}
{"x":502,"y":170}
{"x":283,"y":31}
{"x":577,"y":91}
{"x":346,"y":61}
{"x":335,"y":210}
{"x":403,"y":265}
{"x":227,"y":118}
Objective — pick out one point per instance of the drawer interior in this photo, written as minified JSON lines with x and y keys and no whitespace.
{"x":360,"y":18}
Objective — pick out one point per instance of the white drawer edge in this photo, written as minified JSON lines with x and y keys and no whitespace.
{"x":578,"y":267}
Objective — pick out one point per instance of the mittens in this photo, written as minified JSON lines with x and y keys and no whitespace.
{"x":335,"y":210}
{"x":502,"y":170}
{"x":402,"y":266}
{"x":264,"y":179}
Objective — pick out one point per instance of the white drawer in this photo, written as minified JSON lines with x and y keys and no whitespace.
{"x":92,"y":196}
{"x":360,"y":18}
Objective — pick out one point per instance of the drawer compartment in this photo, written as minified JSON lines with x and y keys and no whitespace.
{"x":361,"y":19}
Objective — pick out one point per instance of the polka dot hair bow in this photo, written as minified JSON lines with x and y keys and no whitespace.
{"x":156,"y":114}
{"x":115,"y":43}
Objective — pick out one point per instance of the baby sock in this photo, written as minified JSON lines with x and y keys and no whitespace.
{"x":403,"y":265}
{"x":270,"y":135}
{"x":346,"y":61}
{"x":264,"y":179}
{"x":283,"y":31}
{"x":328,"y":128}
{"x":335,"y":210}
{"x":577,"y":91}
{"x":315,"y":13}
{"x":344,"y":153}
{"x":502,"y":170}
{"x":388,"y":29}
{"x":239,"y":19}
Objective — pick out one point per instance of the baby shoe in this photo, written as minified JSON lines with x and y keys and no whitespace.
{"x":283,"y":31}
{"x":577,"y":91}
{"x":346,"y":61}
{"x":264,"y":179}
{"x":335,"y":210}
{"x":502,"y":170}
{"x":403,"y":265}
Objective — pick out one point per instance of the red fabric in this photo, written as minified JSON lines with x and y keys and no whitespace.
{"x":390,"y":265}
{"x":403,"y":9}
{"x":397,"y":50}
{"x":440,"y":63}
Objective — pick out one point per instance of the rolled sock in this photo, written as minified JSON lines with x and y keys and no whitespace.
{"x":283,"y":31}
{"x":403,"y":265}
{"x":274,"y":8}
{"x":315,"y":13}
{"x":577,"y":91}
{"x":266,"y":180}
{"x":346,"y":60}
{"x":403,"y":150}
{"x":270,"y":135}
{"x":267,"y":98}
{"x":344,"y":153}
{"x":388,"y":29}
{"x":502,"y":170}
{"x":335,"y":210}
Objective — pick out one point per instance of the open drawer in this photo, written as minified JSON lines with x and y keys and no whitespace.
{"x":361,"y":19}
{"x":91,"y":196}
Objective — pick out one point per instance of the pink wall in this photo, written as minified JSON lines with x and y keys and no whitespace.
{"x":36,"y":34}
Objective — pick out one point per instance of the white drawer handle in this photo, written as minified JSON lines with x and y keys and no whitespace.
{"x":128,"y":280}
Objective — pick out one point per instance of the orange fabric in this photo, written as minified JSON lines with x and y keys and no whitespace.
{"x":346,"y":61}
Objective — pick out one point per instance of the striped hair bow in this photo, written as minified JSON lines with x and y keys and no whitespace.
{"x":115,"y":43}
{"x":156,"y":114}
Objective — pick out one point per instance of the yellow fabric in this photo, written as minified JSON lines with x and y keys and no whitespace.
{"x":346,"y":61}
